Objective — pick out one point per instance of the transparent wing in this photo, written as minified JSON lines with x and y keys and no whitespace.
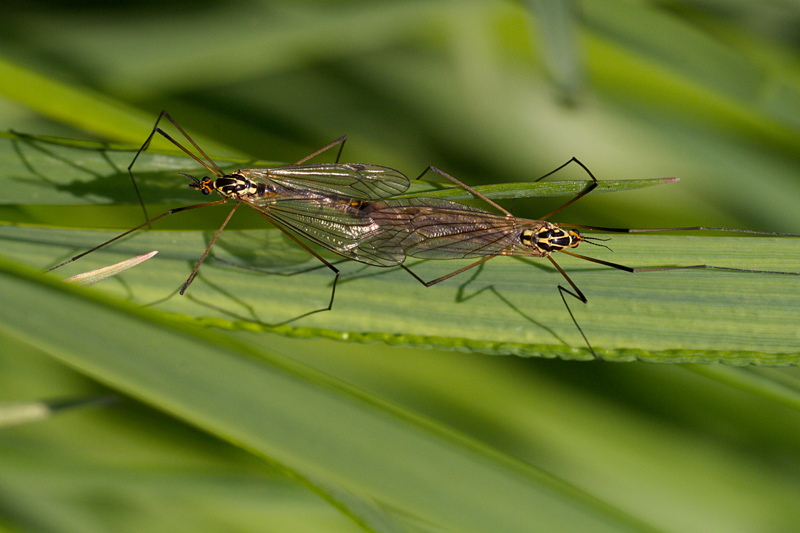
{"x":430,"y":228}
{"x":334,"y":225}
{"x":348,"y":180}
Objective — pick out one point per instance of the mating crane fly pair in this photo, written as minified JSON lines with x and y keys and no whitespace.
{"x":349,"y":209}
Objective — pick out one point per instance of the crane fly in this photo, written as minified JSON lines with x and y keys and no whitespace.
{"x":313,"y":200}
{"x":434,"y":228}
{"x":348,"y":209}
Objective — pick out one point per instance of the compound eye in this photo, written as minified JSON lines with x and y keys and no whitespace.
{"x":206,"y":186}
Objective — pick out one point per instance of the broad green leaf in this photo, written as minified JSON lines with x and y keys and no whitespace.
{"x":509,"y":306}
{"x":151,"y":472}
{"x":258,"y":400}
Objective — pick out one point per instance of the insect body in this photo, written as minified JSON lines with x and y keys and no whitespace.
{"x":433,"y":228}
{"x":340,"y":180}
{"x":314,"y":200}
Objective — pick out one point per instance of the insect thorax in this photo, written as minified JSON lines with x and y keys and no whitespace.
{"x":238,"y":186}
{"x":234,"y":186}
{"x":545,"y":238}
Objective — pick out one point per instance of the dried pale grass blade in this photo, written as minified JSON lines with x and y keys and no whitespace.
{"x":94,"y":276}
{"x":15,"y":413}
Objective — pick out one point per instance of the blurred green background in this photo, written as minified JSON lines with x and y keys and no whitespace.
{"x":237,"y":430}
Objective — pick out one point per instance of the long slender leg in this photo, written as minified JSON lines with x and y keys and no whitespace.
{"x":639,"y":230}
{"x":130,"y":172}
{"x":578,"y":196}
{"x":688,"y":228}
{"x":208,"y":249}
{"x":475,"y":193}
{"x":687,"y":267}
{"x":140,"y":226}
{"x":561,"y":291}
{"x":599,"y":261}
{"x":340,"y":141}
{"x":215,"y":170}
{"x":447,"y":276}
{"x":466,"y":187}
{"x":712,"y":267}
{"x":578,"y":294}
{"x":316,"y":255}
{"x":572,"y":160}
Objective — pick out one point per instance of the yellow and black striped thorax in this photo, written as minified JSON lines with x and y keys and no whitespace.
{"x":547,"y":238}
{"x":231,"y":186}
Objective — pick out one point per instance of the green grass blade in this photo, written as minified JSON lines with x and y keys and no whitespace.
{"x":774,"y":385}
{"x":542,"y":189}
{"x":350,"y":447}
{"x":510,"y":306}
{"x":50,"y":171}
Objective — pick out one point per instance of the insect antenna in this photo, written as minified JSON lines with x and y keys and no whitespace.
{"x":193,"y":178}
{"x":593,"y":242}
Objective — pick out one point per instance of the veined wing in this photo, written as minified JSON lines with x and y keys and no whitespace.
{"x":346,"y":180}
{"x":431,"y":228}
{"x":333,"y":224}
